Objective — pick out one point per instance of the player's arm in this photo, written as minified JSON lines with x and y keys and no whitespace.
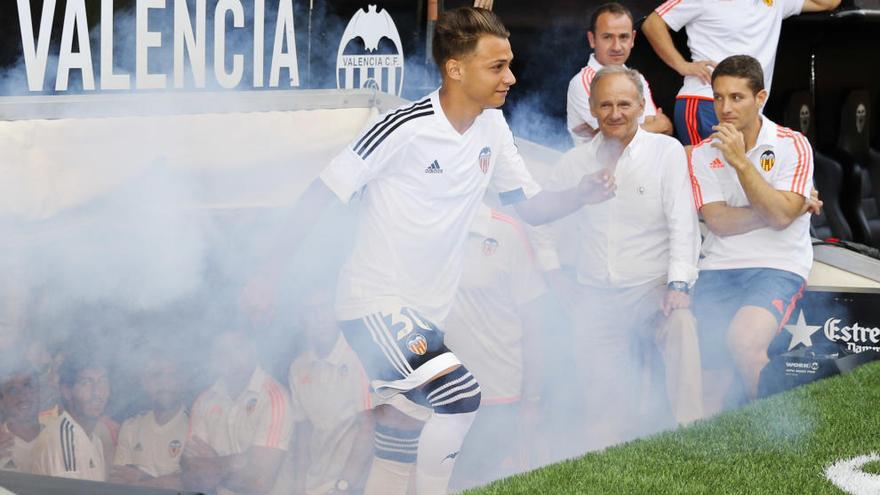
{"x":169,"y":482}
{"x":299,"y":449}
{"x":658,"y":123}
{"x":777,"y":208}
{"x":358,"y":462}
{"x":547,"y":206}
{"x":724,"y":220}
{"x":254,"y":471}
{"x":820,"y":5}
{"x":201,"y":467}
{"x":657,"y":32}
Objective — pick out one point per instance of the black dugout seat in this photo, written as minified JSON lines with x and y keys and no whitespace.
{"x":861,"y":176}
{"x":800,"y":115}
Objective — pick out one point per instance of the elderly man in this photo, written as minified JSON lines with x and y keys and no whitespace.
{"x":611,"y":36}
{"x":637,"y":259}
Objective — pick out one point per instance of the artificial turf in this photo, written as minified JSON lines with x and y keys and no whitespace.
{"x":778,"y":445}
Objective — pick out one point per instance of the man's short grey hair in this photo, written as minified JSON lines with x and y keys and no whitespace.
{"x":633,"y":75}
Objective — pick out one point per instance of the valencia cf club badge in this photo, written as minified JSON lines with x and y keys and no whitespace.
{"x":485,"y":157}
{"x":417,"y":344}
{"x":768,"y":159}
{"x":251,"y":405}
{"x":174,"y":448}
{"x":490,"y":245}
{"x":768,"y":3}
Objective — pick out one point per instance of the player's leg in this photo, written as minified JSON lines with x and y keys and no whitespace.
{"x":767,"y":307}
{"x":680,"y":348}
{"x":395,"y":450}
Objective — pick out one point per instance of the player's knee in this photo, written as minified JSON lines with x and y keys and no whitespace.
{"x":456,"y":392}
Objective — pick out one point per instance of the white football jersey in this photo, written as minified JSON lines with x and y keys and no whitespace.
{"x":420,"y":182}
{"x":152,"y":447}
{"x":63,"y":449}
{"x":484,"y":328}
{"x":785,"y":159}
{"x":20,"y":457}
{"x":717,"y":29}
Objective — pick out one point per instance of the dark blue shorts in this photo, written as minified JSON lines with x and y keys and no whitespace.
{"x":392,"y":345}
{"x":694,"y":118}
{"x":719,"y":294}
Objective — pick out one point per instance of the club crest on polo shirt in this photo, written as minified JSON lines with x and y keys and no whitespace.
{"x":768,"y":159}
{"x":485,"y":158}
{"x":490,"y":245}
{"x":768,"y":3}
{"x":251,"y":405}
{"x":174,"y":448}
{"x":417,"y":344}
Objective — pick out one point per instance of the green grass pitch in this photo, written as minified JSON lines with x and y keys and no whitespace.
{"x":778,"y":445}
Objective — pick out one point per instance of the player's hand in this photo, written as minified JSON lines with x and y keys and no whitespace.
{"x":483,"y":4}
{"x":597,"y":187}
{"x":731,"y":143}
{"x":258,"y":298}
{"x":7,"y":440}
{"x":196,"y":447}
{"x":585,"y":131}
{"x":127,"y":475}
{"x":701,"y":69}
{"x":674,"y":299}
{"x":813,"y":205}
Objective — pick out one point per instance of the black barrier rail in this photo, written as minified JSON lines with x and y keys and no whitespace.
{"x":30,"y":484}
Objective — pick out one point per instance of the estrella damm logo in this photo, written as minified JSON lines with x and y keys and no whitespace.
{"x":417,"y":344}
{"x":768,"y":159}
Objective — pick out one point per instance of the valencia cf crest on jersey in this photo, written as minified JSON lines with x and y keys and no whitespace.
{"x":174,"y":448}
{"x":768,"y":159}
{"x":768,"y":3}
{"x":490,"y":245}
{"x":485,"y":157}
{"x":417,"y":344}
{"x":251,"y":405}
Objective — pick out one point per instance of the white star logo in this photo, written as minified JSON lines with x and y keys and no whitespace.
{"x":801,"y":332}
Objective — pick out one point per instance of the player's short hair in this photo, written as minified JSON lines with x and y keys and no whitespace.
{"x":743,"y":67}
{"x":610,"y":8}
{"x":458,"y":30}
{"x":631,"y":74}
{"x":76,"y":362}
{"x":14,"y":365}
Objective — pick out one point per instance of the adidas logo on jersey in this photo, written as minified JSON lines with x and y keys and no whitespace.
{"x":716,"y":163}
{"x":138,"y":447}
{"x":434,"y":168}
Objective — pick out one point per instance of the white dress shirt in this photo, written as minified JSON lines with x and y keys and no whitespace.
{"x":647,"y":231}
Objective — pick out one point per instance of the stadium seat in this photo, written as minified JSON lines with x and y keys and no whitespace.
{"x":800,"y":115}
{"x":861,"y":176}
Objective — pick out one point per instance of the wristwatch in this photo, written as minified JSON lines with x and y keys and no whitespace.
{"x":679,"y":286}
{"x":341,"y":485}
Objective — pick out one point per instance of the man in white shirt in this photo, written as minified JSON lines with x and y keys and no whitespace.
{"x":637,"y":259}
{"x":69,"y":446}
{"x":715,"y":31}
{"x":421,"y":173}
{"x":150,"y":444}
{"x":240,"y":427}
{"x":330,"y":398}
{"x":752,"y":181}
{"x":19,"y":408}
{"x":495,"y":327}
{"x":611,"y":36}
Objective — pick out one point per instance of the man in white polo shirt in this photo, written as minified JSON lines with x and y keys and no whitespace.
{"x":751,"y":182}
{"x":330,"y":398}
{"x":421,"y":173}
{"x":240,"y":427}
{"x":150,"y":444}
{"x":495,"y":327}
{"x":19,"y":408}
{"x":68,"y":446}
{"x":611,"y":36}
{"x":637,"y":259}
{"x":716,"y":30}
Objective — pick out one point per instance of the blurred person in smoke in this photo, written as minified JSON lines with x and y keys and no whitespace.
{"x":494,"y":326}
{"x":752,"y":183}
{"x":636,"y":262}
{"x":420,"y":173}
{"x":150,"y":444}
{"x":330,"y":397}
{"x":611,"y":36}
{"x":19,"y":407}
{"x":240,"y":428}
{"x":69,"y":446}
{"x":716,"y":30}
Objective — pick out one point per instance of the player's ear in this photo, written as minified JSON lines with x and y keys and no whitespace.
{"x":454,"y":69}
{"x":761,"y":97}
{"x":591,"y":38}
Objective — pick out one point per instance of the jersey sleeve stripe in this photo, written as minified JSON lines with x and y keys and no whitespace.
{"x":379,"y":128}
{"x":399,"y":123}
{"x":693,"y":130}
{"x":808,"y":161}
{"x":391,"y":115}
{"x":798,"y":182}
{"x":666,"y":7}
{"x":273,"y":437}
{"x":695,"y":184}
{"x":62,"y":431}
